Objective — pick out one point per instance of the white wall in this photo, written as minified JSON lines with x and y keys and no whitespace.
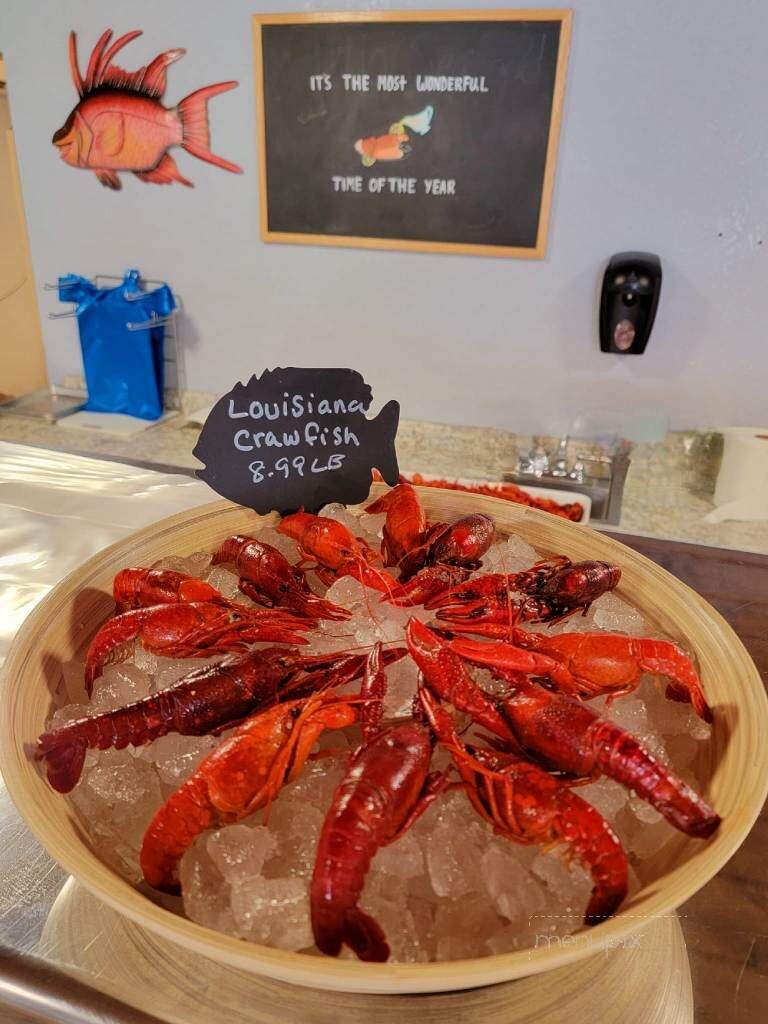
{"x":664,"y":147}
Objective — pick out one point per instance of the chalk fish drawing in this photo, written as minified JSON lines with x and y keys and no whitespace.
{"x":119,"y":123}
{"x":394,"y":145}
{"x":419,"y":123}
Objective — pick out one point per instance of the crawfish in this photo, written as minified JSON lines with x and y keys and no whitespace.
{"x":462,"y":543}
{"x":447,"y":676}
{"x":335,"y":551}
{"x":242,"y":775}
{"x":554,"y":589}
{"x":188,"y":631}
{"x":443,"y":555}
{"x":573,"y":738}
{"x":386,"y":787}
{"x":559,"y":730}
{"x":142,"y":588}
{"x":529,"y":806}
{"x":205,"y":700}
{"x":406,"y":525}
{"x":267,"y":577}
{"x":591,"y":664}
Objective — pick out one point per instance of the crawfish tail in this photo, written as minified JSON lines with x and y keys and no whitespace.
{"x":174,"y":828}
{"x":596,"y":846}
{"x":64,"y":756}
{"x":125,"y":587}
{"x":620,"y":756}
{"x":378,"y":798}
{"x":363,"y":935}
{"x":230,"y":550}
{"x":202,"y":700}
{"x":63,"y":750}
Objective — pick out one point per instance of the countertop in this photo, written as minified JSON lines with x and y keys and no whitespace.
{"x":668,"y":490}
{"x":724,"y":924}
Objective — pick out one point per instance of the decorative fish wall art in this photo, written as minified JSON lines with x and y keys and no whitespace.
{"x":120,"y":123}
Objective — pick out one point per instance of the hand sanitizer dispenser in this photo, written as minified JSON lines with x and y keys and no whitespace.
{"x":628,"y":302}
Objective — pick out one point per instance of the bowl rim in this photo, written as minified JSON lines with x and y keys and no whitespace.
{"x":352,"y":975}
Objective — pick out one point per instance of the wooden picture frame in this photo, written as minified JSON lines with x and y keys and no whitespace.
{"x":537,"y":250}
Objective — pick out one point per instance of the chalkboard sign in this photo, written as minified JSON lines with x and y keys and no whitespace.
{"x":297,"y":437}
{"x":419,"y":130}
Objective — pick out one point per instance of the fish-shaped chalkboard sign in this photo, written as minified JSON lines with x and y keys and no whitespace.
{"x":297,"y":438}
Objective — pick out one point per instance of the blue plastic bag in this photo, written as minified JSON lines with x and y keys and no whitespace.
{"x":123,"y":367}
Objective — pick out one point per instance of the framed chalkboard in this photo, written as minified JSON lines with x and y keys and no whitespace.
{"x":428,"y":131}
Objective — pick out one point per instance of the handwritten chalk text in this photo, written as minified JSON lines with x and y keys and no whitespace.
{"x":352,"y":82}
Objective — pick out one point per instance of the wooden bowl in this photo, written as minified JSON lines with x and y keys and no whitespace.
{"x":732,"y":771}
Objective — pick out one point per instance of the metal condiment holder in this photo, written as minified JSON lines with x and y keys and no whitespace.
{"x":600,"y":476}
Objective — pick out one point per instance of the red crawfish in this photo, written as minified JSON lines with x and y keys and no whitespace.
{"x":335,"y":551}
{"x":462,"y":543}
{"x":573,"y":738}
{"x":188,"y":631}
{"x":267,"y":577}
{"x":142,"y":588}
{"x":406,"y":525}
{"x":386,"y":787}
{"x":242,"y":775}
{"x":207,"y":699}
{"x":448,"y":677}
{"x":529,"y":806}
{"x":559,"y":730}
{"x":554,"y":589}
{"x":406,"y":532}
{"x":593,"y":664}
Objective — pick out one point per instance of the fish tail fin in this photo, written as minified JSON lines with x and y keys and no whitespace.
{"x":193,"y":111}
{"x":386,"y":428}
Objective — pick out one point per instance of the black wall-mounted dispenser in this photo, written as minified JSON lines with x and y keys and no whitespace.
{"x":630,"y":295}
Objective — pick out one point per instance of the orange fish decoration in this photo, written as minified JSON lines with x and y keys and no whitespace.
{"x":382,"y":147}
{"x":119,"y":123}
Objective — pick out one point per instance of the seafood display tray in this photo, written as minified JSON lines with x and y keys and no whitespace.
{"x":562,"y":497}
{"x":732,"y":772}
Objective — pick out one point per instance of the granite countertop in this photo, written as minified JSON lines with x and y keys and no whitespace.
{"x":668,"y":490}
